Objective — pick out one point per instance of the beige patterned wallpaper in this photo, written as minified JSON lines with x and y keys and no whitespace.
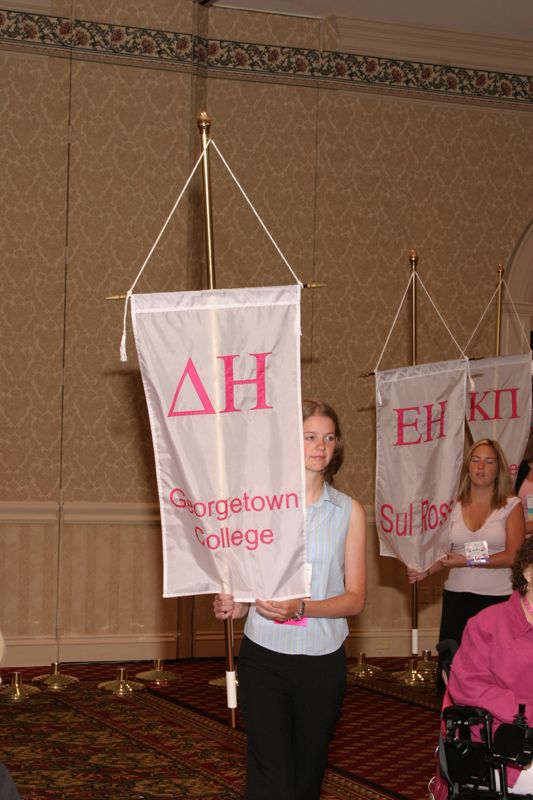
{"x":33,"y":189}
{"x":130,"y":150}
{"x":174,"y":15}
{"x":347,"y":177}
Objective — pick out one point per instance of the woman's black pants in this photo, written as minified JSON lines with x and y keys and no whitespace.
{"x":291,"y":705}
{"x":457,"y":608}
{"x":8,"y":790}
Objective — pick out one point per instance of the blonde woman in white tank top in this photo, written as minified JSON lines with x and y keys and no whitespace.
{"x":487,"y":510}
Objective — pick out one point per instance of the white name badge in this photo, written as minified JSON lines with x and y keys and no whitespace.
{"x":529,"y":499}
{"x":476,"y":553}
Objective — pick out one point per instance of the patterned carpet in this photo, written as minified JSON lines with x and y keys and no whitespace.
{"x":173,"y":741}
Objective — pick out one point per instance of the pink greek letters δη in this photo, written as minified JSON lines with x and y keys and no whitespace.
{"x":230,"y":382}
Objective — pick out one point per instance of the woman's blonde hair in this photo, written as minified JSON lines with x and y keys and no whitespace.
{"x":318,"y":407}
{"x":503,"y":487}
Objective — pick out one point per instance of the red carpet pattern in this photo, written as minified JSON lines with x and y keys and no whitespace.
{"x":388,"y":742}
{"x":173,"y":741}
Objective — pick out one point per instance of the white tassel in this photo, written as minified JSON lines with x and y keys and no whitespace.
{"x":123,"y":353}
{"x":470,"y":378}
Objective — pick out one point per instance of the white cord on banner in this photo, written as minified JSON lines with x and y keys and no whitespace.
{"x":257,"y":215}
{"x":413,"y":274}
{"x":123,"y":353}
{"x":441,"y":317}
{"x":517,"y":317}
{"x":482,"y":317}
{"x":394,"y":321}
{"x":470,"y":379}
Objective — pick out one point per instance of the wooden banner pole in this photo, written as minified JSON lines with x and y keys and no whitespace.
{"x":204,"y":125}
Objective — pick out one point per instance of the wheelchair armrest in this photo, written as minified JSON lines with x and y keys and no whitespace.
{"x":470,"y":715}
{"x":513,"y":744}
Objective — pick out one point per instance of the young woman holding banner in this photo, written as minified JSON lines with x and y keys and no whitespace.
{"x":486,"y":513}
{"x":292,"y":667}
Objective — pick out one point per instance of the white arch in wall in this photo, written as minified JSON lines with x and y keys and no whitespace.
{"x":519,"y":280}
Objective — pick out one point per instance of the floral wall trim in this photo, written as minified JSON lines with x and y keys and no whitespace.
{"x":260,"y":60}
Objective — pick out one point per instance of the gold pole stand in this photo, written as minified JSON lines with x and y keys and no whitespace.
{"x":411,"y":676}
{"x":157,"y":675}
{"x":121,"y":686}
{"x":362,"y":670}
{"x":17,"y":692}
{"x":427,"y":667}
{"x":55,"y":681}
{"x":221,"y":682}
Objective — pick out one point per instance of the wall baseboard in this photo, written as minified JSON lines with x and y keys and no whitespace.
{"x":389,"y":642}
{"x":33,"y":652}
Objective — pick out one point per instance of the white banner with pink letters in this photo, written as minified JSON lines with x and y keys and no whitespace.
{"x":420,"y":418}
{"x":499,"y":406}
{"x":221,"y":373}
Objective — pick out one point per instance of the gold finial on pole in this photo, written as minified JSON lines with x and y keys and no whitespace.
{"x":204,"y":124}
{"x":501,"y":270}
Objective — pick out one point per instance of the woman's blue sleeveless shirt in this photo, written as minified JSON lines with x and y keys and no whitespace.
{"x":327,"y":525}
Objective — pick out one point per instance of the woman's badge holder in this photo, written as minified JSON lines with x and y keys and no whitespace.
{"x":476,"y":553}
{"x":302,"y":622}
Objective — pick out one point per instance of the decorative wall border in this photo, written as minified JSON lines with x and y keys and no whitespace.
{"x":340,"y":70}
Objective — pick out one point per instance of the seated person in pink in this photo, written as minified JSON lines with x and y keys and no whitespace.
{"x":493,"y":667}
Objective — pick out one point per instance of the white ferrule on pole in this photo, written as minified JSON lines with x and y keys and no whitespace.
{"x":231,"y":689}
